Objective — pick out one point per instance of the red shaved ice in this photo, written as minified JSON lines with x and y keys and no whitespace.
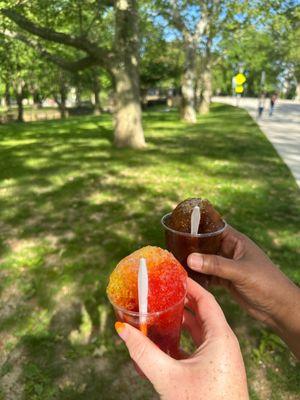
{"x":166,"y":276}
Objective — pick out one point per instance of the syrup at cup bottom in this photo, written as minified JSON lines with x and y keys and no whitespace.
{"x":182,"y":244}
{"x":162,"y":327}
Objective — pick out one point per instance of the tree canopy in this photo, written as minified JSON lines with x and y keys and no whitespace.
{"x":193,"y":46}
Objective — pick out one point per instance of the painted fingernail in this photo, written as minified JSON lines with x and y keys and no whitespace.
{"x":120,"y":327}
{"x":195,"y":261}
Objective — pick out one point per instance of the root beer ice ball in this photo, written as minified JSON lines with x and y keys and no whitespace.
{"x":180,"y":219}
{"x":167,"y":280}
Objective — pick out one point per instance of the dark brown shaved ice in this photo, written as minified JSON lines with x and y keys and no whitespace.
{"x":180,"y":219}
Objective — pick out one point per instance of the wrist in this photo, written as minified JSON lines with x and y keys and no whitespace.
{"x":286,"y":319}
{"x":286,"y":310}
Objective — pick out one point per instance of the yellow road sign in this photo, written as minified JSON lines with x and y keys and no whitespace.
{"x":239,"y":89}
{"x":240,"y":79}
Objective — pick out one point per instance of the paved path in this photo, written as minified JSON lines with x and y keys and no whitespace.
{"x":282,"y":129}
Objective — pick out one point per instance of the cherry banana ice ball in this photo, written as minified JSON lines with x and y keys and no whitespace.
{"x":167,"y":280}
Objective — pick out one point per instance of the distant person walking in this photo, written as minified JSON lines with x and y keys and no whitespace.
{"x":261,"y":104}
{"x":272,"y":104}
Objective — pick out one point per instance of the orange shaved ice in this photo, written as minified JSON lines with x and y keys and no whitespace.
{"x":166,"y":277}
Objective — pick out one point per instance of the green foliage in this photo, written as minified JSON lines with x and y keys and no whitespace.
{"x":259,"y":35}
{"x":265,"y":41}
{"x":161,"y":63}
{"x":16,"y":62}
{"x":89,"y":20}
{"x":255,"y":56}
{"x":268,"y":344}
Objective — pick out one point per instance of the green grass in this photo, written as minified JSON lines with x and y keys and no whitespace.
{"x":72,"y":206}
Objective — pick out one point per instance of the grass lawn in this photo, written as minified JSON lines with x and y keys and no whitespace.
{"x":72,"y":206}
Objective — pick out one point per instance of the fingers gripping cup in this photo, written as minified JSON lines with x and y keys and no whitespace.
{"x":166,"y":294}
{"x":181,"y":242}
{"x":163,"y":327}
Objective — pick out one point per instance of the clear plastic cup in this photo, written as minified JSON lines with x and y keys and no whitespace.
{"x":182,"y":244}
{"x":162,"y":327}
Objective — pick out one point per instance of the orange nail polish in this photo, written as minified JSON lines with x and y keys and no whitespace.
{"x":143,"y":329}
{"x":120,"y":326}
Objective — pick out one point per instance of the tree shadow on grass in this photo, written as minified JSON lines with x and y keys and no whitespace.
{"x":54,"y":365}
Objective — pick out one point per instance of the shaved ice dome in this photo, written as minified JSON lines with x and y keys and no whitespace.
{"x":167,"y":280}
{"x":210,"y":221}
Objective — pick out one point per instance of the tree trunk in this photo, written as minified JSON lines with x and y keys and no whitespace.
{"x":19,"y":93}
{"x":297,"y":90}
{"x":78,"y":96}
{"x":37,"y":100}
{"x":19,"y":99}
{"x":62,"y":110}
{"x":7,"y":96}
{"x":128,"y":113}
{"x":63,"y":100}
{"x":97,"y":104}
{"x":188,"y":112}
{"x":206,"y":93}
{"x":198,"y":91}
{"x":96,"y":91}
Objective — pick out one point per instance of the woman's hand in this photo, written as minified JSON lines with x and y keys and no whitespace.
{"x":215,"y":371}
{"x":255,"y":283}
